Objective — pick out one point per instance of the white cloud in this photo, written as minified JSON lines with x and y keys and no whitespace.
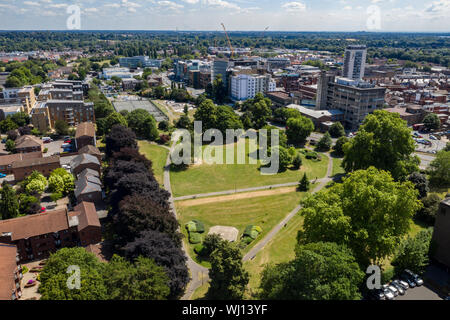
{"x":294,"y":6}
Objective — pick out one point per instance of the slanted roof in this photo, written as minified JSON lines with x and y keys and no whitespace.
{"x":83,"y":158}
{"x":8,"y":265}
{"x":90,"y":149}
{"x":28,"y":142}
{"x":85,"y":129}
{"x":87,"y":215}
{"x":35,"y":162}
{"x":10,"y":158}
{"x":88,"y":185}
{"x":35,"y":225}
{"x":88,"y":173}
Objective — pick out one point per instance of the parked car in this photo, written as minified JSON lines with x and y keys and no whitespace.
{"x":409,"y":280}
{"x":415,"y":277}
{"x":2,"y":175}
{"x":3,"y":140}
{"x":399,"y":287}
{"x":66,"y":145}
{"x":68,"y":141}
{"x":65,"y":166}
{"x":43,"y":209}
{"x":432,"y":137}
{"x":388,"y":294}
{"x":377,"y":295}
{"x":402,"y":283}
{"x":392,"y":289}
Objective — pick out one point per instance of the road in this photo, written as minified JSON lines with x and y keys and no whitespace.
{"x":425,"y":160}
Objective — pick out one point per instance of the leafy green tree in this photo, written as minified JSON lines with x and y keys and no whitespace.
{"x":9,"y":204}
{"x":429,"y":210}
{"x":8,"y":125}
{"x":325,"y":143}
{"x":206,"y":113}
{"x":113,"y":119}
{"x":219,"y":91}
{"x":10,"y":145}
{"x":337,"y":130}
{"x":439,"y":170}
{"x":143,"y":124}
{"x":28,"y":204}
{"x":21,"y":119}
{"x":282,"y":138}
{"x":385,"y":142}
{"x":54,"y":276}
{"x":432,"y":121}
{"x":369,"y":212}
{"x":228,"y":276}
{"x":304,"y":184}
{"x":413,"y":253}
{"x":298,"y":129}
{"x":35,"y":187}
{"x":320,"y":271}
{"x":420,"y":182}
{"x":61,"y":127}
{"x":61,"y":181}
{"x":339,"y":146}
{"x":258,"y":110}
{"x":285,"y":159}
{"x":226,"y":118}
{"x":297,"y":161}
{"x":143,"y":280}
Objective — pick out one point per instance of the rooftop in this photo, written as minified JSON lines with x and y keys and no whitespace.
{"x":85,"y":129}
{"x":35,"y":162}
{"x":8,"y":265}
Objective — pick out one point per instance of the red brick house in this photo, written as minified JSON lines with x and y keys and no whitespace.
{"x":24,"y":168}
{"x":85,"y":135}
{"x":27,"y":144}
{"x":7,"y":160}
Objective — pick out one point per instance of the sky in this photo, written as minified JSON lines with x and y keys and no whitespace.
{"x":243,"y":15}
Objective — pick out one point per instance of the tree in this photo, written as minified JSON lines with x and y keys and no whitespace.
{"x":325,"y":143}
{"x":206,"y":113}
{"x":61,"y":127}
{"x":143,"y":124}
{"x":285,"y":159}
{"x":432,"y":121}
{"x":120,"y":137}
{"x":219,"y":91}
{"x":304,"y":184}
{"x":369,"y":212}
{"x":413,"y":253}
{"x":7,"y":125}
{"x":9,"y":204}
{"x":439,"y":170}
{"x":184,"y":122}
{"x":113,"y":119}
{"x":385,"y":142}
{"x":166,"y":253}
{"x":429,"y":210}
{"x":21,"y":119}
{"x":298,"y":129}
{"x":337,"y":130}
{"x":258,"y":109}
{"x":54,"y":276}
{"x":297,"y":161}
{"x":320,"y":271}
{"x":143,"y":280}
{"x":61,"y":181}
{"x":339,"y":146}
{"x":35,"y":186}
{"x":211,"y":243}
{"x":228,"y":277}
{"x":28,"y":204}
{"x":10,"y":145}
{"x":420,"y":182}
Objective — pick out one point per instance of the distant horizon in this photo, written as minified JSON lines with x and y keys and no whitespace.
{"x":218,"y":31}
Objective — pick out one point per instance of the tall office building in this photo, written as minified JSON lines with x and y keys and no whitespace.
{"x":220,"y":66}
{"x":355,"y":62}
{"x":245,"y":86}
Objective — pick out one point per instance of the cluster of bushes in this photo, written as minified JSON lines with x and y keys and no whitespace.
{"x":140,"y":220}
{"x":312,"y":155}
{"x":250,"y":234}
{"x":195,"y":228}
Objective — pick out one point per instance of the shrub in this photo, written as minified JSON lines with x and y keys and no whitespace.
{"x":198,"y":249}
{"x":56,"y":196}
{"x":45,"y":150}
{"x":24,"y":269}
{"x":195,"y":238}
{"x":195,"y":226}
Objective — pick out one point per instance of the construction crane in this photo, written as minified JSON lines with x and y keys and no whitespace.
{"x":229,"y":42}
{"x":264,"y":32}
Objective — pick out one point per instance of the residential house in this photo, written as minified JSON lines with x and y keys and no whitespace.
{"x":10,"y":273}
{"x":85,"y":135}
{"x":24,"y":168}
{"x":94,"y":151}
{"x":7,"y":160}
{"x":28,"y":143}
{"x":84,"y":161}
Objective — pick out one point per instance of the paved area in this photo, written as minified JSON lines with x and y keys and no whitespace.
{"x":53,"y":147}
{"x":140,"y":104}
{"x":30,"y":293}
{"x":419,"y":293}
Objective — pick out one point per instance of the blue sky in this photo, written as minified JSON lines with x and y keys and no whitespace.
{"x":284,"y":15}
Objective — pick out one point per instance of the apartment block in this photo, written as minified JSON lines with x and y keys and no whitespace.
{"x":245,"y":86}
{"x":355,"y":62}
{"x":140,"y":62}
{"x":36,"y":236}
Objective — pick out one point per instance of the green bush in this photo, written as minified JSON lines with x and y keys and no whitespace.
{"x":252,"y":232}
{"x":24,"y":269}
{"x":195,"y":238}
{"x":248,"y":230}
{"x":311,"y":155}
{"x":198,"y":249}
{"x":195,"y":226}
{"x":190,"y":226}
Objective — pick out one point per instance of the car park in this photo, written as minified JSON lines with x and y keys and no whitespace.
{"x":2,"y":175}
{"x":377,"y":295}
{"x":432,"y":137}
{"x":414,"y":277}
{"x":402,"y":283}
{"x":407,"y":279}
{"x":392,"y":289}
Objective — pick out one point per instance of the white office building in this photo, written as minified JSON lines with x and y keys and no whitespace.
{"x":244,"y":86}
{"x":355,"y":62}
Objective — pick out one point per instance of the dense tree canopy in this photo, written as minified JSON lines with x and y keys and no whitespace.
{"x":298,"y":129}
{"x":439,"y":169}
{"x":385,"y":142}
{"x":369,"y":212}
{"x":320,"y":271}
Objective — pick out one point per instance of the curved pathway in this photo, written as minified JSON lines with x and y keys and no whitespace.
{"x":200,"y":274}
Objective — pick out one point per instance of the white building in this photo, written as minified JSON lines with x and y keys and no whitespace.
{"x":246,"y":86}
{"x":355,"y":62}
{"x":122,"y":73}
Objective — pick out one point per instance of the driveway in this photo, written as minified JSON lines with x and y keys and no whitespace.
{"x":53,"y":147}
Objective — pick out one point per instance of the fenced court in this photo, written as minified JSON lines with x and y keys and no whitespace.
{"x":131,"y":105}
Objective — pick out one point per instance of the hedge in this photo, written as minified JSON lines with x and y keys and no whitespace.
{"x":195,"y":238}
{"x":195,"y":226}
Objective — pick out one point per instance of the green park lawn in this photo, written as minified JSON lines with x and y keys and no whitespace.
{"x":337,"y":169}
{"x":158,"y":156}
{"x":265,"y":212}
{"x":204,"y":178}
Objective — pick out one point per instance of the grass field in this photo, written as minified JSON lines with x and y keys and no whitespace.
{"x":205,"y":178}
{"x":337,"y":169}
{"x":158,"y":155}
{"x":265,"y":212}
